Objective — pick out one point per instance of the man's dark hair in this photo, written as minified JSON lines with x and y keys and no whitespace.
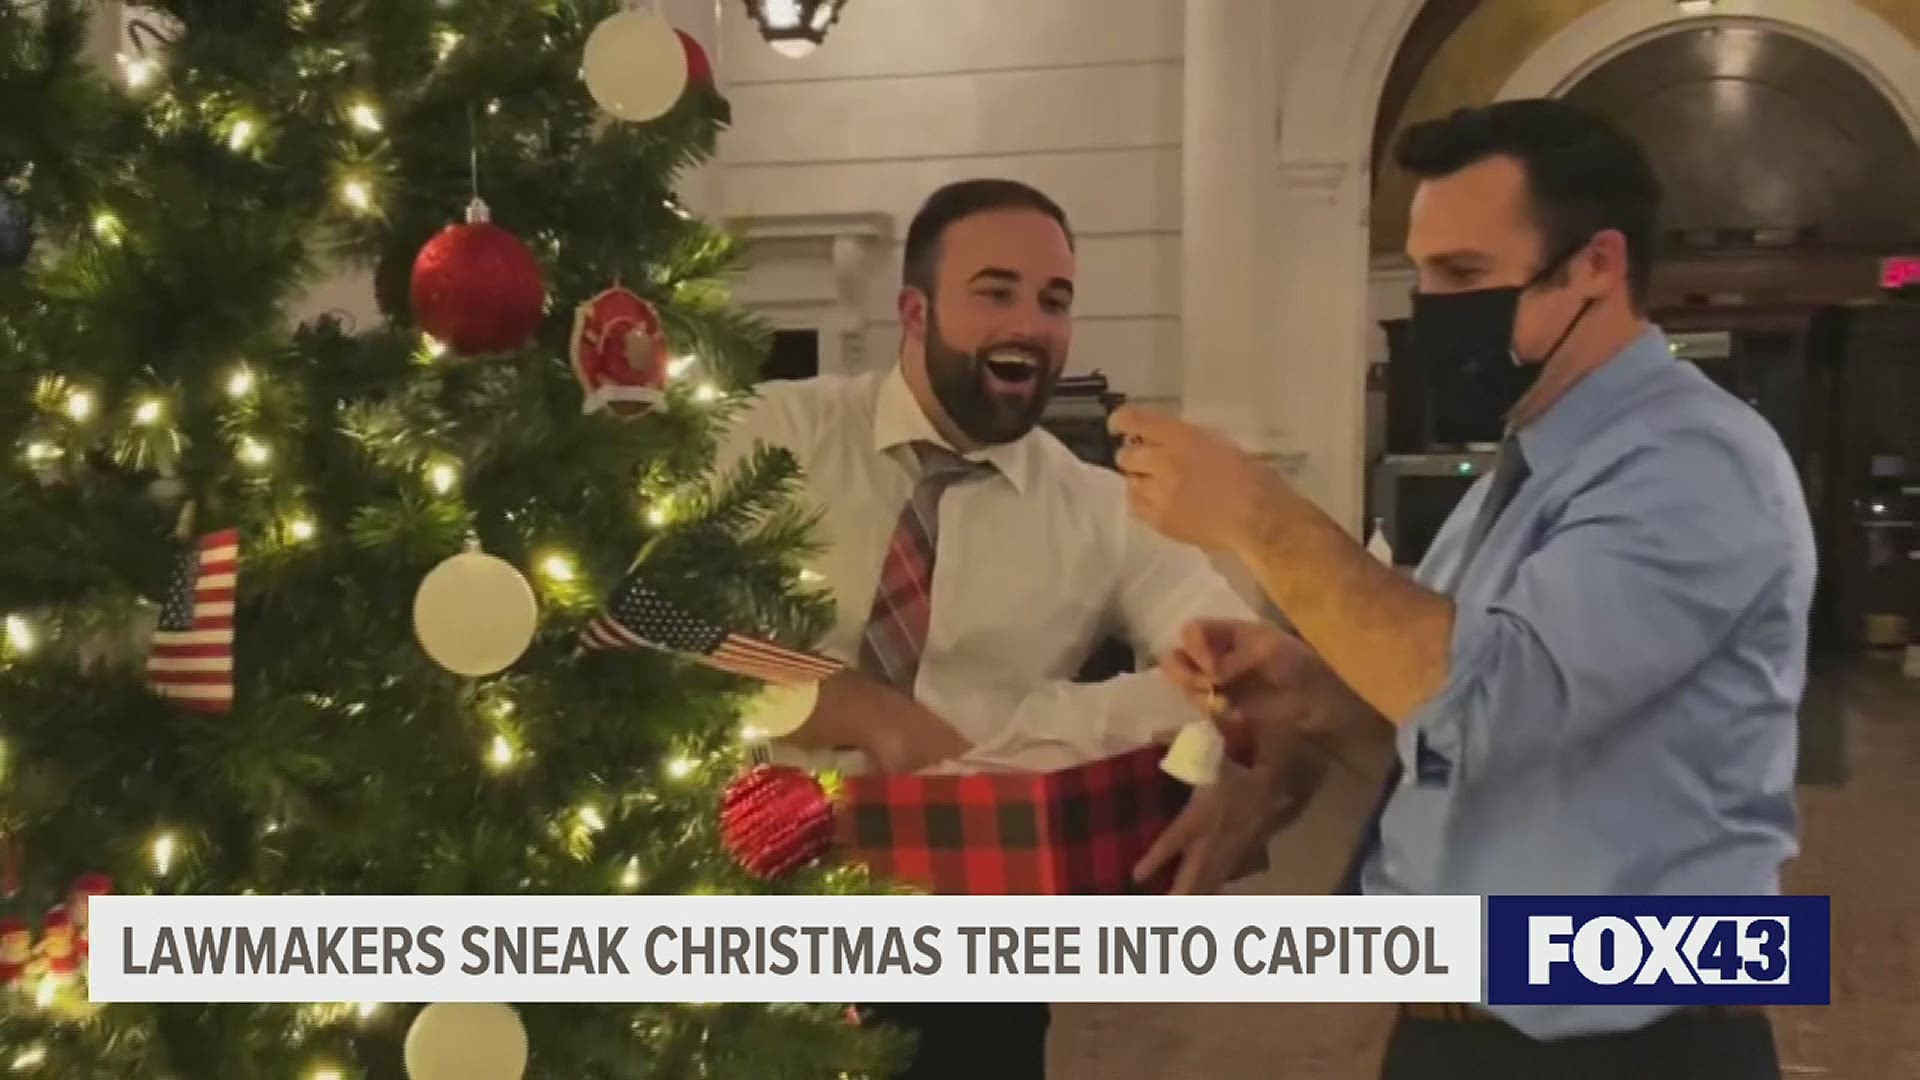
{"x":958,"y":201}
{"x":1583,"y":173}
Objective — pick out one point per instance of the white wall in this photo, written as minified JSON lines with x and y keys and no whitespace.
{"x":1072,"y":96}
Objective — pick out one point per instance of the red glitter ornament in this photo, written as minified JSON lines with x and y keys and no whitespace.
{"x":776,"y":819}
{"x":699,"y":67}
{"x":477,"y":289}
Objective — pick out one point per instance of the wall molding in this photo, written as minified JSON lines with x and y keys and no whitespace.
{"x":1285,"y":462}
{"x":835,"y":255}
{"x":754,"y":228}
{"x":1314,"y":177}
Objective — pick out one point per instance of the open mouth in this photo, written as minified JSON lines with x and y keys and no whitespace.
{"x":1012,"y":367}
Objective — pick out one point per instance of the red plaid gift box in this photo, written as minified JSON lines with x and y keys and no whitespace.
{"x":1075,"y":831}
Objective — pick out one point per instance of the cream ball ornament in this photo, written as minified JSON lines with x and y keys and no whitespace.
{"x":459,"y":1040}
{"x":475,"y":614}
{"x":635,"y":66}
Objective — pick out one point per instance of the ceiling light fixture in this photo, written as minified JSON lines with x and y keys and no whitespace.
{"x":794,"y":28}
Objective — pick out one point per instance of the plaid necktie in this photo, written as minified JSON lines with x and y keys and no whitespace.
{"x":1510,"y":471}
{"x":903,"y":604}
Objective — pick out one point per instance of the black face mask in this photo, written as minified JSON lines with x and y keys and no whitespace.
{"x":1463,"y":344}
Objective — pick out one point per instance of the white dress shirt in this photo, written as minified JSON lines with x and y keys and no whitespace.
{"x":1036,"y":564}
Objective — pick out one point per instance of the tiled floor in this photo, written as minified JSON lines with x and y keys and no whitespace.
{"x":1860,"y":844}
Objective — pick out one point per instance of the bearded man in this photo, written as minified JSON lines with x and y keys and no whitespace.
{"x":976,"y":563}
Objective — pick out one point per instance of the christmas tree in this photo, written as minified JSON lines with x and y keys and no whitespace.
{"x":175,"y":449}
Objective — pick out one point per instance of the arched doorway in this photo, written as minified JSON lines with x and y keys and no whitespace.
{"x":1879,"y":51}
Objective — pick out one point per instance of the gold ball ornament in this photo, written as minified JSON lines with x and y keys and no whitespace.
{"x":458,"y":1040}
{"x":475,"y":614}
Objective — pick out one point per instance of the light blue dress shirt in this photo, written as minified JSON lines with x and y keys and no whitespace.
{"x":1629,"y":650}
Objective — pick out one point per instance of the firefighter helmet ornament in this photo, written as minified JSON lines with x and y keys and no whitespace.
{"x":619,"y":353}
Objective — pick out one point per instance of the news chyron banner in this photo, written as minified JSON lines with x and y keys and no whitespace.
{"x":783,"y":948}
{"x":1500,"y":951}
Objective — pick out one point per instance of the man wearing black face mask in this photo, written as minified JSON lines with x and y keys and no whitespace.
{"x":1464,"y":342}
{"x":1592,"y":678}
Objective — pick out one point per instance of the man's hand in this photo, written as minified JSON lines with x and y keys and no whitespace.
{"x":1188,"y":483}
{"x":1389,"y":637}
{"x":1238,"y":670}
{"x":897,"y":733}
{"x":1264,"y":687}
{"x":1223,"y":823}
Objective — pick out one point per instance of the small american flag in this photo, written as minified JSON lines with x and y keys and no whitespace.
{"x":191,"y":660}
{"x":638,"y":617}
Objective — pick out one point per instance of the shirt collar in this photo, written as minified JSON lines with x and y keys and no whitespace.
{"x":898,"y":420}
{"x":1593,"y":401}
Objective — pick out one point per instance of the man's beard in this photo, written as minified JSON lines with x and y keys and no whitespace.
{"x":961,"y":384}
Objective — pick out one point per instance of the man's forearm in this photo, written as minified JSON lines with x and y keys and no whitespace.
{"x":1385,"y":636}
{"x":850,"y":711}
{"x":829,"y":725}
{"x":898,"y":733}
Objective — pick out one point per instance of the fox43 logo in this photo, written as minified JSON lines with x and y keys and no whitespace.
{"x":1657,"y":950}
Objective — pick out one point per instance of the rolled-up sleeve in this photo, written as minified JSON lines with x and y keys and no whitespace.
{"x":1642,"y":575}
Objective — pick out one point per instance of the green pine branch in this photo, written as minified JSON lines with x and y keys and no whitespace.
{"x":147,"y":365}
